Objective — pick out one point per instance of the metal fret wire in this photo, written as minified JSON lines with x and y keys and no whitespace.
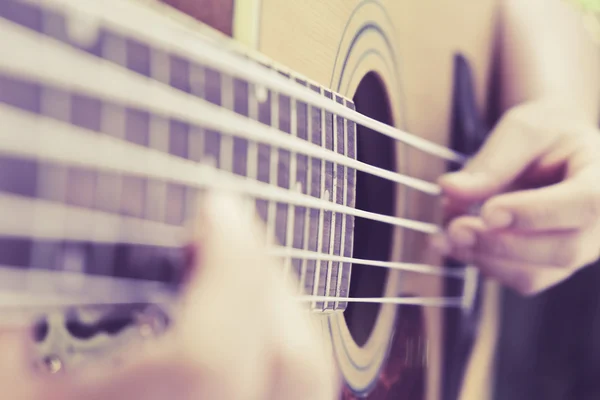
{"x":68,"y":68}
{"x":141,"y":21}
{"x":336,"y":298}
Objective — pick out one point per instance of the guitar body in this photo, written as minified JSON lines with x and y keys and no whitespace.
{"x":387,"y":352}
{"x":406,"y":63}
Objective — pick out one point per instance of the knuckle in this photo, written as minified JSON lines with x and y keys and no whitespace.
{"x":569,"y":254}
{"x":564,"y":255}
{"x":496,"y":245}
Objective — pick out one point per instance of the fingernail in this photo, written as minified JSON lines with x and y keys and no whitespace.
{"x":463,"y":237}
{"x":498,"y":219}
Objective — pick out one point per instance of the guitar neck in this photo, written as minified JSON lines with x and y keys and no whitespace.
{"x":84,"y":200}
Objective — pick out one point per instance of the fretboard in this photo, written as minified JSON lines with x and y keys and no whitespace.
{"x":94,"y":220}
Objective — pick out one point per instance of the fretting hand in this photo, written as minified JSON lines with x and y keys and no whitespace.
{"x":240,"y":334}
{"x":538,"y":180}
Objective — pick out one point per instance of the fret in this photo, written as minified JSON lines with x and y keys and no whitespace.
{"x":130,"y":126}
{"x":318,"y":166}
{"x":273,"y":207}
{"x":287,"y":123}
{"x":195,"y":144}
{"x":178,"y":138}
{"x":252,"y":152}
{"x":263,"y":156}
{"x":268,"y":111}
{"x":114,"y":48}
{"x":114,"y":122}
{"x":160,"y":66}
{"x":70,"y":258}
{"x":227,"y":101}
{"x":18,"y":176}
{"x":156,"y":203}
{"x":341,"y":195}
{"x":303,"y":176}
{"x":133,"y":196}
{"x":195,"y":153}
{"x":81,"y":187}
{"x":55,"y":103}
{"x":350,"y":200}
{"x":212,"y":147}
{"x":52,"y":183}
{"x":240,"y":145}
{"x":21,"y":94}
{"x":330,"y":217}
{"x":212,"y":86}
{"x":175,"y":204}
{"x":179,"y":73}
{"x":159,"y":137}
{"x":137,"y":126}
{"x":108,"y":193}
{"x":86,"y":112}
{"x":197,"y":80}
{"x":56,"y":26}
{"x":138,"y":57}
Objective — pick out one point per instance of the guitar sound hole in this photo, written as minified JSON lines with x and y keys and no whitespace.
{"x":372,"y":239}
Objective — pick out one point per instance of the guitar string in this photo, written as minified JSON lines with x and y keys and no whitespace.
{"x":63,"y":288}
{"x":133,"y":19}
{"x":281,"y":251}
{"x":69,"y":69}
{"x":343,"y":109}
{"x":74,"y":145}
{"x":96,"y":290}
{"x":21,"y":129}
{"x":111,"y":228}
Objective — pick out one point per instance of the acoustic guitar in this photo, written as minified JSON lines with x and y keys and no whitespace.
{"x":335,"y":117}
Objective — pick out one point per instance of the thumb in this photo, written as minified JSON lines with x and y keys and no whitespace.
{"x":514,"y":144}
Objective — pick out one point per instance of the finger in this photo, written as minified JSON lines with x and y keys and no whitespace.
{"x":233,"y":276}
{"x":295,"y":363}
{"x":525,"y":278}
{"x":571,"y":204}
{"x":562,"y":249}
{"x":219,"y":348}
{"x":565,"y":249}
{"x":16,"y":374}
{"x":303,"y":368}
{"x":511,"y":147}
